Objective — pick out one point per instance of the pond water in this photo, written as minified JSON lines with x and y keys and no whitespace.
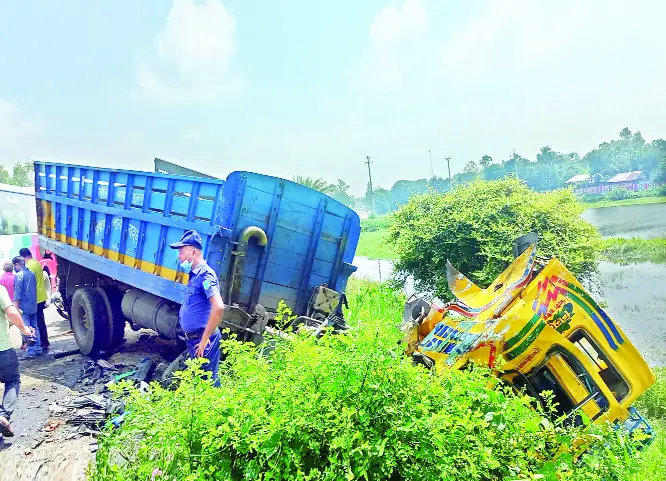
{"x":635,"y":294}
{"x":646,"y":221}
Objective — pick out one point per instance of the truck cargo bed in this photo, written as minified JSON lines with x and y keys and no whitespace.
{"x":120,"y":223}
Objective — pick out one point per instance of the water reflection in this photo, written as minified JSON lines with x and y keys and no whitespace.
{"x":380,"y":271}
{"x":646,"y":221}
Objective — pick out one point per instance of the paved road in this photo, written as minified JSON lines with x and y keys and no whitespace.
{"x":46,"y":380}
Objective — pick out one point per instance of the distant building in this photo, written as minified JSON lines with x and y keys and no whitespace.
{"x":636,"y":180}
{"x":628,"y":180}
{"x":579,"y":179}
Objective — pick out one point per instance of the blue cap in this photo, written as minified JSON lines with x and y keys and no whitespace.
{"x":190,"y":238}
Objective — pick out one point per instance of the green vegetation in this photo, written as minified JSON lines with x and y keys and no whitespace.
{"x":652,"y":405}
{"x":349,"y":407}
{"x":317,"y":184}
{"x":547,"y":170}
{"x":474,"y":227}
{"x":376,"y":245}
{"x":22,"y":174}
{"x":624,"y":202}
{"x":627,"y":251}
{"x":373,"y":224}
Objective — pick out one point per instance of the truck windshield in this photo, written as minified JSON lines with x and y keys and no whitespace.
{"x":573,"y":389}
{"x":18,"y":215}
{"x":607,"y":371}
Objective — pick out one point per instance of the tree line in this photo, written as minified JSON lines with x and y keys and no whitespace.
{"x":548,"y":171}
{"x":21,"y":174}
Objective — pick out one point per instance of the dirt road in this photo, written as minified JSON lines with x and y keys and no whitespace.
{"x":40,"y":450}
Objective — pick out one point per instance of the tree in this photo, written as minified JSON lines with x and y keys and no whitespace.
{"x":23,"y":174}
{"x":548,"y":156}
{"x":485,"y":161}
{"x":340,"y":193}
{"x":494,"y":172}
{"x":5,"y":178}
{"x":402,"y":190}
{"x":317,"y":184}
{"x":471,"y":168}
{"x":474,"y":226}
{"x":625,"y":133}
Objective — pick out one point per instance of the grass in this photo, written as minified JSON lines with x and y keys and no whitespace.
{"x":350,"y":407}
{"x":635,"y":250}
{"x":624,"y":202}
{"x":375,"y":245}
{"x":652,"y":405}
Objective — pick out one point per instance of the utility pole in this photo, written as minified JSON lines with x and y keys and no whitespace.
{"x":515,"y":163}
{"x":432,"y":171}
{"x":448,"y":165}
{"x":372,"y":191}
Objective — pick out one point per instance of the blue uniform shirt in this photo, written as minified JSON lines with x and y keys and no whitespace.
{"x":195,"y":310}
{"x":25,"y":291}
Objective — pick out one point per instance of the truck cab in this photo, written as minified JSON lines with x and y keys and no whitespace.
{"x":537,"y":328}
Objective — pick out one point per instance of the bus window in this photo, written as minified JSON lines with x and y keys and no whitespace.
{"x":18,"y":215}
{"x":607,"y":371}
{"x":572,"y":387}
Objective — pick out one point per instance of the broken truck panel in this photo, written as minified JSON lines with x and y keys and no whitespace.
{"x":540,"y":330}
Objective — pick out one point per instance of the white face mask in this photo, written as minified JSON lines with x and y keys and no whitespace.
{"x":187,"y":265}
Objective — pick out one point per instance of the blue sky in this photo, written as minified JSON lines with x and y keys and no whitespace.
{"x":312,"y":87}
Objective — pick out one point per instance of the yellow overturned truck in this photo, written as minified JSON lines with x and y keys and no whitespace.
{"x":539,"y":329}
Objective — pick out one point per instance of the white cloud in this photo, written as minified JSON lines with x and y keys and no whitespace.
{"x":18,"y":133}
{"x":392,"y":32}
{"x":517,"y":33}
{"x":189,"y":61}
{"x":570,"y":74}
{"x":394,"y":24}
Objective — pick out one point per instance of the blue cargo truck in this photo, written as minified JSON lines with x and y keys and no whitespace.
{"x":268,"y":239}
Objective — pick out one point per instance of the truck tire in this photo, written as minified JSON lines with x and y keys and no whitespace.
{"x":89,"y":320}
{"x":116,"y":326}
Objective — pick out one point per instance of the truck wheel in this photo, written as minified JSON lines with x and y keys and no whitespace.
{"x":89,"y":320}
{"x":114,"y":313}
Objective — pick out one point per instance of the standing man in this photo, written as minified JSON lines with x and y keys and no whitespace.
{"x":25,"y":299}
{"x":202,"y":308}
{"x":9,"y":364}
{"x":7,"y":278}
{"x":36,"y":268}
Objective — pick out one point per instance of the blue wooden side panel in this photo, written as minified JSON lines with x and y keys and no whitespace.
{"x":313,"y":239}
{"x":120,"y":223}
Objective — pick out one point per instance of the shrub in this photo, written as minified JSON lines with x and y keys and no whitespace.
{"x":618,"y":193}
{"x":589,"y":198}
{"x":344,"y":407}
{"x":652,"y":403}
{"x":373,"y":224}
{"x":474,"y":227}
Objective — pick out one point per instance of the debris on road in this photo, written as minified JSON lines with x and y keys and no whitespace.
{"x":61,"y":354}
{"x":88,"y":412}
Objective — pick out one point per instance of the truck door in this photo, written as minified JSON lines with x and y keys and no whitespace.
{"x":574,"y":390}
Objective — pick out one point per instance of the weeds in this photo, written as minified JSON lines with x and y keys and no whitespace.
{"x":346,"y":407}
{"x":635,"y":250}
